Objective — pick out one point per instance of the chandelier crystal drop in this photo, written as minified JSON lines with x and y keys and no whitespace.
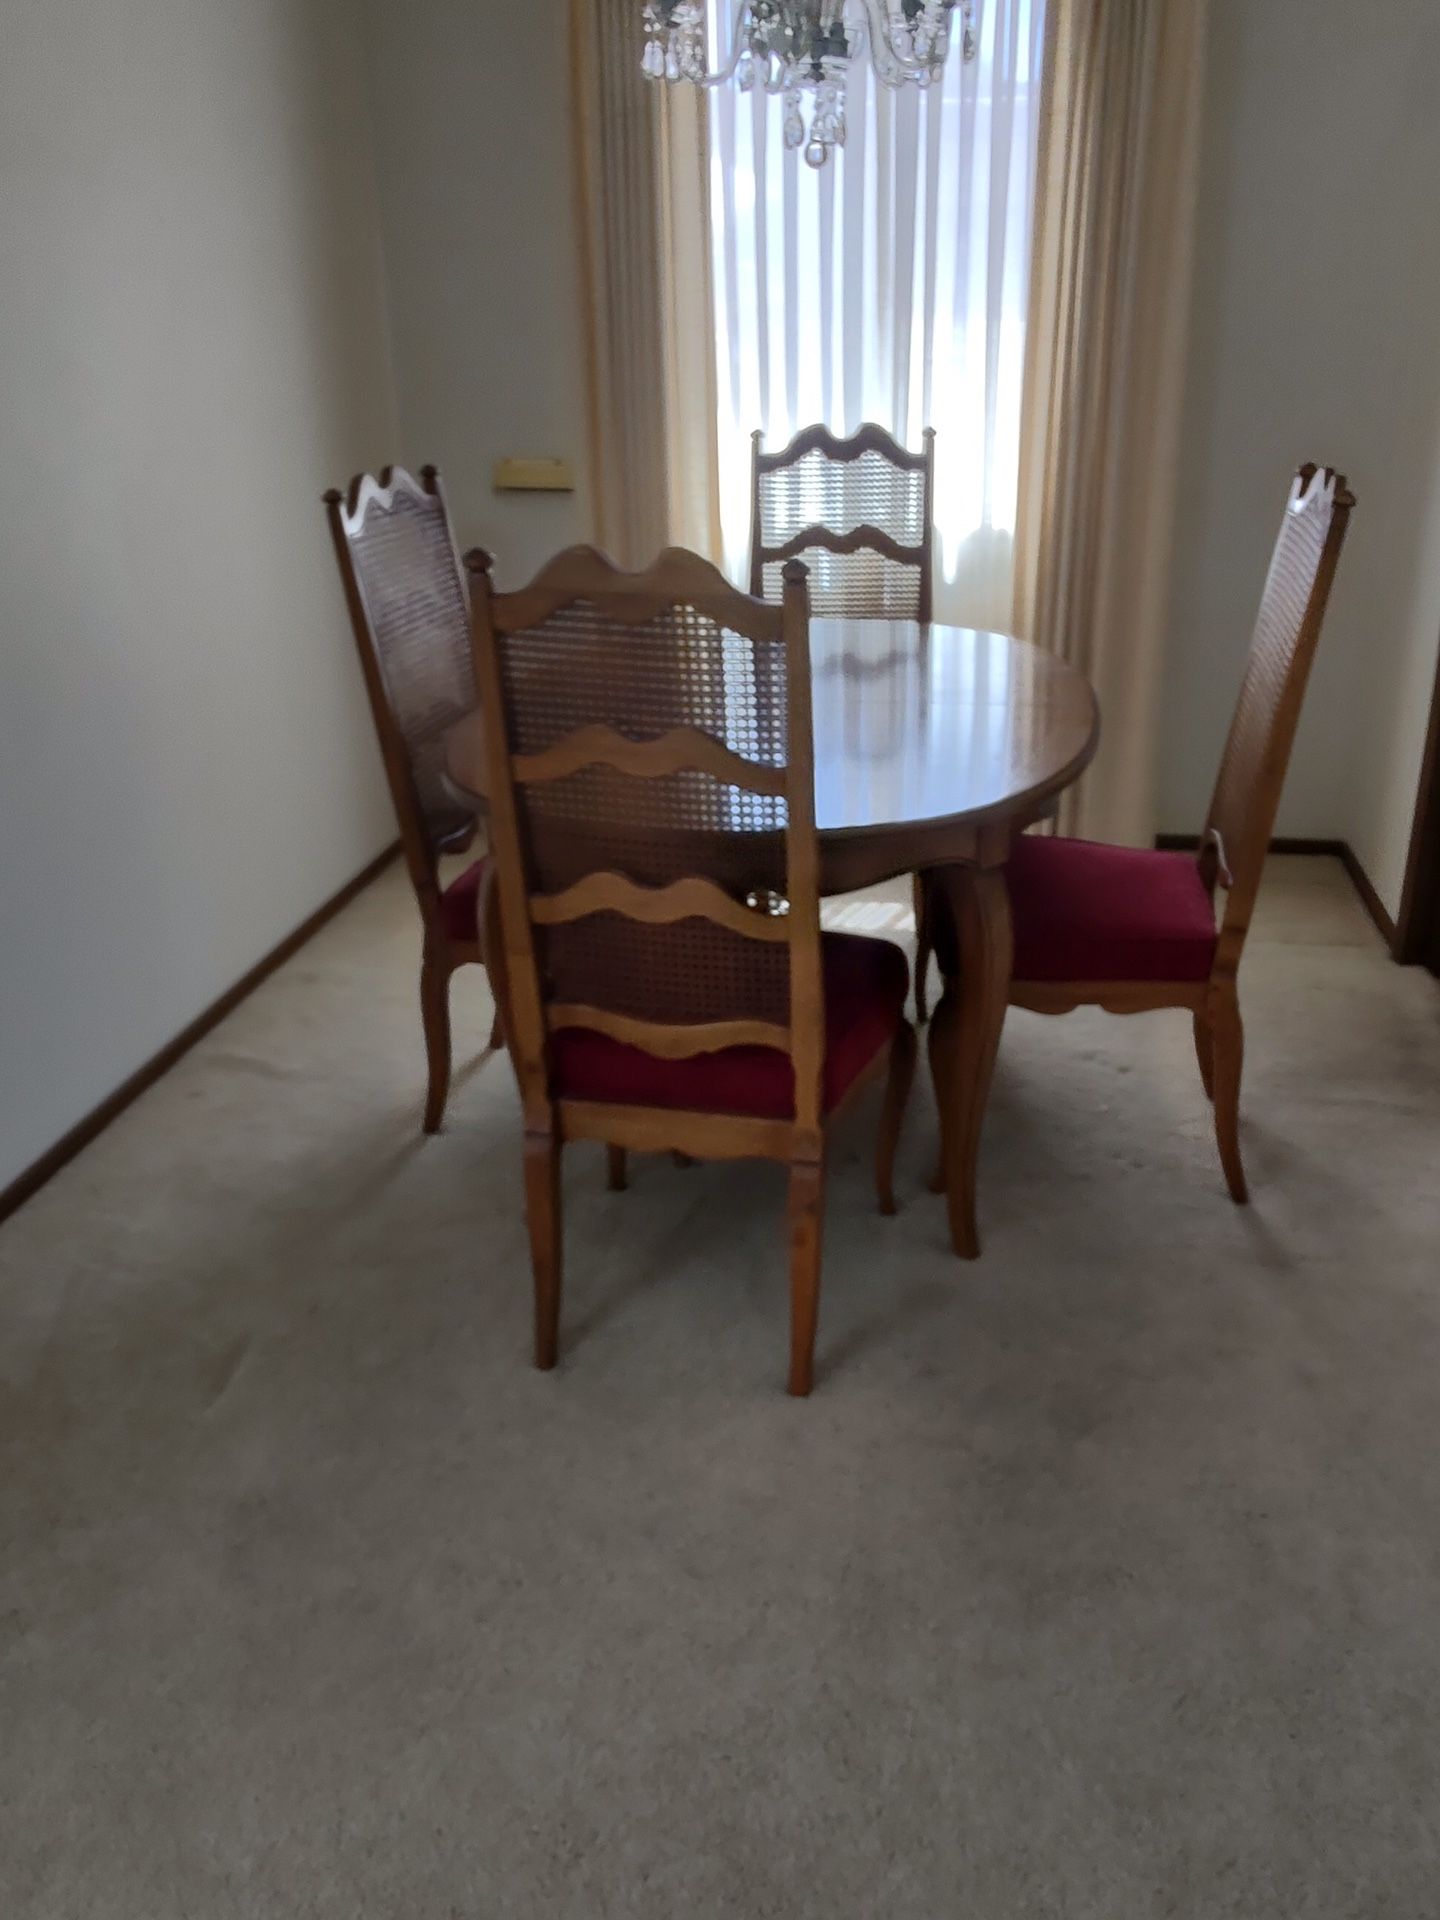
{"x":795,"y":47}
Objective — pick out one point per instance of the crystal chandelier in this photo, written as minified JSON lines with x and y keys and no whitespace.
{"x":796,"y":47}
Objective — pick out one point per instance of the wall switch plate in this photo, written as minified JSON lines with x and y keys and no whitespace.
{"x":534,"y":476}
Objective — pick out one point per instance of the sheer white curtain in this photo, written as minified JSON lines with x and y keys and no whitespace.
{"x":891,"y":285}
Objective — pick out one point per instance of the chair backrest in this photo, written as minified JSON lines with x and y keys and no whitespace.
{"x":410,"y":609}
{"x":652,"y":816}
{"x":860,"y":513}
{"x":1262,"y":733}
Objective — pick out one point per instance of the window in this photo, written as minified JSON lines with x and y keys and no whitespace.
{"x":889,"y":285}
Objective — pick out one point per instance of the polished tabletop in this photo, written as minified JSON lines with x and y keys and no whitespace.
{"x":929,"y":723}
{"x":921,"y":733}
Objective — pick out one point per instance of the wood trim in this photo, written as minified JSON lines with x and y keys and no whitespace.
{"x":1340,"y":850}
{"x":1417,"y":936}
{"x":866,"y":538}
{"x":927,"y":554}
{"x":866,"y":439}
{"x":757,"y":547}
{"x":681,"y":750}
{"x":1369,"y":898}
{"x":1112,"y":996}
{"x":1192,"y":842}
{"x":677,"y":579}
{"x":693,"y":898}
{"x":669,"y":1040}
{"x":802,"y":865}
{"x":706,"y":1136}
{"x":35,"y":1176}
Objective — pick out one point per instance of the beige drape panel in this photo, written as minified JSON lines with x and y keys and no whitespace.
{"x":1105,"y":353}
{"x":645,"y":263}
{"x":691,"y":412}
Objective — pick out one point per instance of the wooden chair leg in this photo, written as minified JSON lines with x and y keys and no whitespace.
{"x":435,"y":1013}
{"x":616,"y":1177}
{"x":1205,"y":1054}
{"x":542,"y":1211}
{"x":1227,"y":1033}
{"x":807,"y":1205}
{"x":497,"y":1034}
{"x":967,"y":1027}
{"x":924,"y":946}
{"x":892,"y":1116}
{"x":941,"y":1050}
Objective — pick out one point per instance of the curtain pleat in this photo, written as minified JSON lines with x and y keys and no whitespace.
{"x":621,"y":221}
{"x":688,"y":303}
{"x":644,"y":226}
{"x":1104,"y":382}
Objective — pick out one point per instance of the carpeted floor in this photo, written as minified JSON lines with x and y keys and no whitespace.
{"x":1098,"y":1581}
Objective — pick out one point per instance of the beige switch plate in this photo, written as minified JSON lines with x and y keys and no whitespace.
{"x":534,"y":476}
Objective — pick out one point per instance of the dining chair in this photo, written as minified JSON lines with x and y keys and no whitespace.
{"x":1132,"y":930}
{"x":410,"y":610}
{"x":861,"y":513}
{"x":653,"y":909}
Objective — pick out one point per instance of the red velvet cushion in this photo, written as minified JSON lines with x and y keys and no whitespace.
{"x":460,"y":904}
{"x":865,"y":986}
{"x":1089,"y":912}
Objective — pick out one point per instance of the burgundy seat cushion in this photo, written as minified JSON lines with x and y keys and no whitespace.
{"x":1089,"y":912}
{"x":865,"y":986}
{"x":460,"y":904}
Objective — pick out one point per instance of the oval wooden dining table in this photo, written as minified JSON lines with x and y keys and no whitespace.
{"x":934,"y":747}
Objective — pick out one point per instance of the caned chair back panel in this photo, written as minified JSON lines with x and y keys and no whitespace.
{"x":858,"y":512}
{"x":411,"y":612}
{"x":658,"y":812}
{"x":1262,"y":732}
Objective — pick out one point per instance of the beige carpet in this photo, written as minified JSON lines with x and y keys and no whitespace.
{"x":1098,"y":1581}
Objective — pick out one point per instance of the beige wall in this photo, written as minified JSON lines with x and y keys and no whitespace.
{"x":472,"y":108}
{"x":1316,"y":335}
{"x":192,"y":348}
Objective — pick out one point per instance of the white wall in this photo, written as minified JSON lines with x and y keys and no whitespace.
{"x":192,"y":348}
{"x":1316,"y":336}
{"x":473,"y":116}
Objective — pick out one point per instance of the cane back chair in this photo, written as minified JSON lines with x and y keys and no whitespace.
{"x":410,"y":610}
{"x":861,"y":513}
{"x":1132,"y":930}
{"x":652,"y":916}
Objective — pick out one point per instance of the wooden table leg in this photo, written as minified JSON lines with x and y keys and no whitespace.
{"x":965,"y":1033}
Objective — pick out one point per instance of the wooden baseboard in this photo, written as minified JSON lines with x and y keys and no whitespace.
{"x":1340,"y":850}
{"x":1369,"y":898}
{"x":65,"y":1149}
{"x":1189,"y":842}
